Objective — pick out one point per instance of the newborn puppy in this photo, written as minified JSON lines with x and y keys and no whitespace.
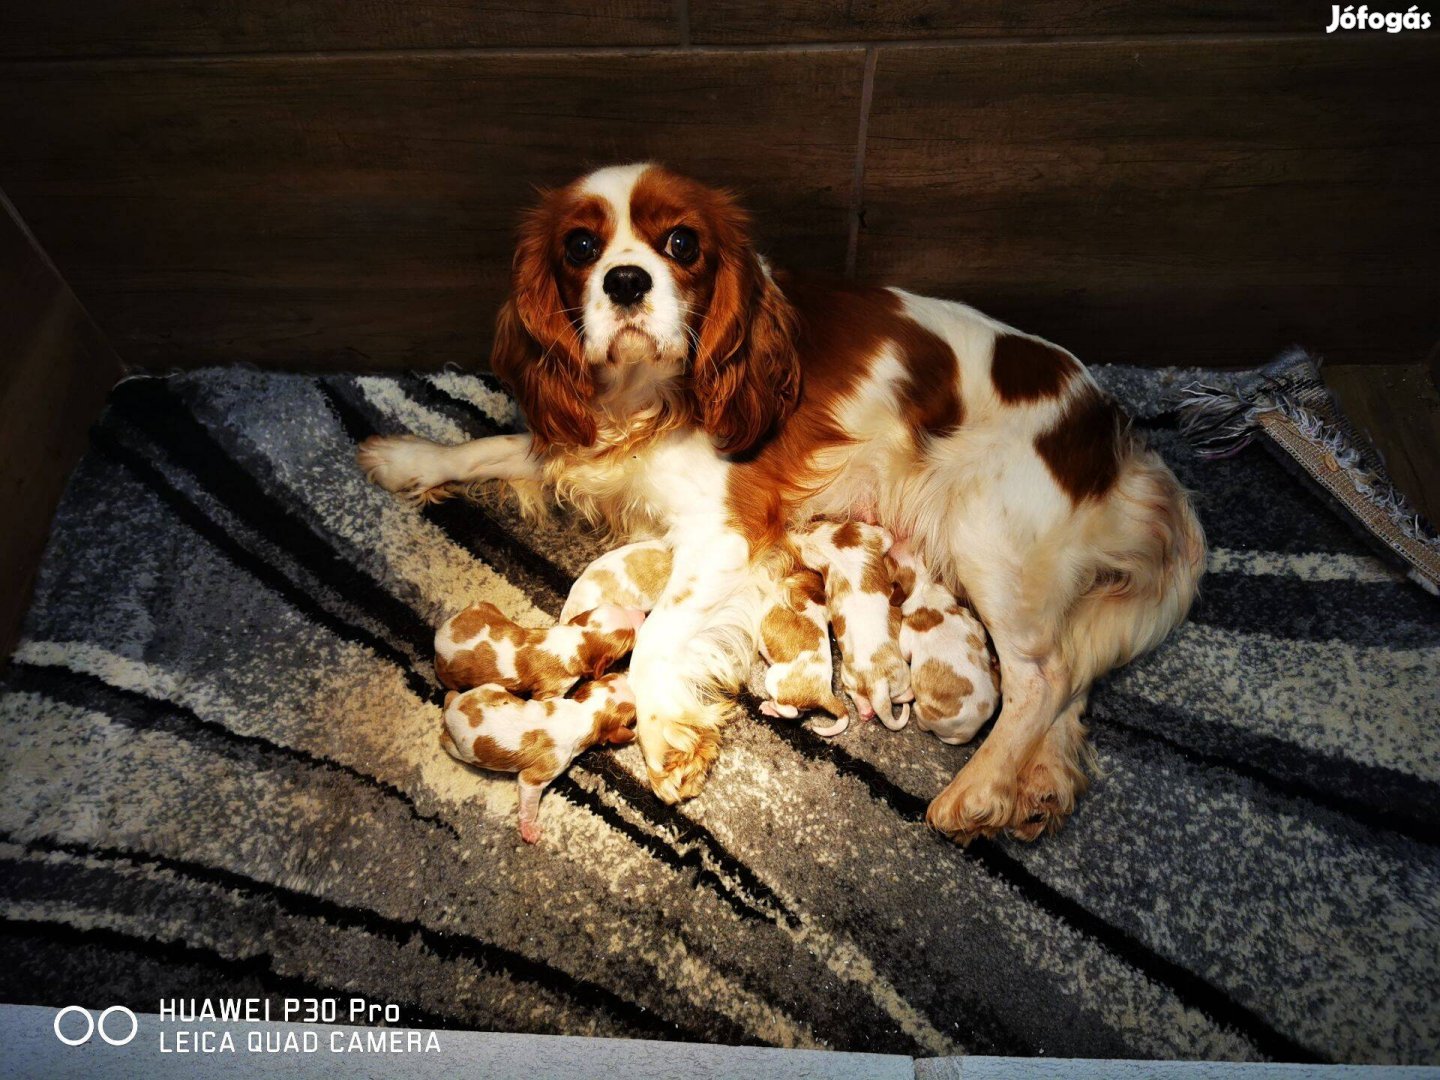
{"x":632,"y":576}
{"x":492,"y":728}
{"x":950,"y":671}
{"x":795,"y":641}
{"x":851,"y":558}
{"x":480,"y":645}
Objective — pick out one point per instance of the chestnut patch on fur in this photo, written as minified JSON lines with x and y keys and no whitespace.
{"x":848,"y":535}
{"x":542,"y":671}
{"x":474,"y":620}
{"x":536,"y":345}
{"x":535,"y":761}
{"x":806,"y":689}
{"x":1082,"y":451}
{"x":931,"y":395}
{"x":1024,"y":369}
{"x":787,"y":635}
{"x":649,"y":568}
{"x":874,"y":578}
{"x":924,"y":619}
{"x":469,"y":667}
{"x":840,"y":328}
{"x":612,"y":588}
{"x":806,"y":587}
{"x":478,"y":618}
{"x":744,"y":374}
{"x":939,"y":691}
{"x":599,"y":650}
{"x":614,"y":723}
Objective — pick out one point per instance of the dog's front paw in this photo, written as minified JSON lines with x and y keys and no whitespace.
{"x":980,"y":801}
{"x":685,"y":771}
{"x":408,"y":466}
{"x":1046,"y":791}
{"x":679,"y":745}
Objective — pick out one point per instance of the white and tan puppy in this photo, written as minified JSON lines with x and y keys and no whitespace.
{"x":951,"y":673}
{"x":632,"y":576}
{"x":492,"y":728}
{"x":480,"y":645}
{"x":850,"y":556}
{"x":795,"y":642}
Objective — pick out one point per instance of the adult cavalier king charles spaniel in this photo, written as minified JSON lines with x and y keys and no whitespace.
{"x":676,"y":386}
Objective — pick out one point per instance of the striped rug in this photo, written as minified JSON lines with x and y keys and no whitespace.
{"x":220,"y":776}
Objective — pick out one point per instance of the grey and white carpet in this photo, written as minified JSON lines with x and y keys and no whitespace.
{"x":220,"y":776}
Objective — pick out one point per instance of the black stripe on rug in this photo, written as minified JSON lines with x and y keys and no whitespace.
{"x":1188,"y":987}
{"x":684,"y":863}
{"x":140,"y":712}
{"x":1378,"y":798}
{"x":482,"y":418}
{"x":667,"y":818}
{"x":1393,"y":614}
{"x":152,"y":406}
{"x":443,"y":944}
{"x":466,"y":415}
{"x":189,"y":514}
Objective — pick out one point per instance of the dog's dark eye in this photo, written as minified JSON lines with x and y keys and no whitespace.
{"x":682,"y":245}
{"x":581,"y":247}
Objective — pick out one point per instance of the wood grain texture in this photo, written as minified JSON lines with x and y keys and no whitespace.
{"x":54,"y":372}
{"x":745,"y":21}
{"x":154,"y":27}
{"x":1167,"y":202}
{"x":359,"y":212}
{"x":1397,"y":407}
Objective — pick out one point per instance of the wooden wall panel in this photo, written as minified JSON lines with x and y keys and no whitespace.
{"x":54,"y":372}
{"x":1167,"y":202}
{"x":359,"y":211}
{"x":747,"y":21}
{"x":154,"y":27}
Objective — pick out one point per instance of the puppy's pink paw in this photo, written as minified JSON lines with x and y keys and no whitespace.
{"x":530,"y":832}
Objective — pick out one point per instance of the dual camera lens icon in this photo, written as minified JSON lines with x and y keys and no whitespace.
{"x":92,"y":1025}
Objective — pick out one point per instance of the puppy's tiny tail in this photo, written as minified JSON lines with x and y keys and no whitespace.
{"x":835,"y":707}
{"x":884,"y":709}
{"x":841,"y":723}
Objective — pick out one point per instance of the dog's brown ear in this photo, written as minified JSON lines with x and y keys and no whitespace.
{"x":609,"y":648}
{"x":620,"y":736}
{"x":746,"y":376}
{"x":537,"y":347}
{"x":598,"y":651}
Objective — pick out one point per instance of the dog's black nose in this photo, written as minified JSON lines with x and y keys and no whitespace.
{"x":626,"y":284}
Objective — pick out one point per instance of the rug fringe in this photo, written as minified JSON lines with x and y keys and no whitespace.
{"x":1220,"y":421}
